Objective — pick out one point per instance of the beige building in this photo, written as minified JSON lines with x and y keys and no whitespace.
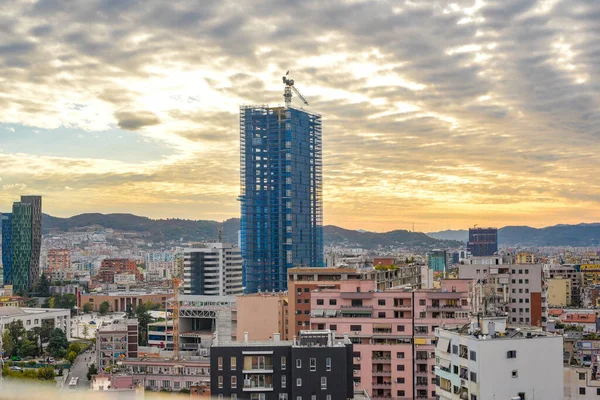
{"x":120,"y":301}
{"x":559,"y":292}
{"x":525,"y":258}
{"x":261,"y":315}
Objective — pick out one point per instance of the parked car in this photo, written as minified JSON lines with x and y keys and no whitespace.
{"x":92,"y":322}
{"x":50,"y":360}
{"x":15,"y":358}
{"x":15,"y":368}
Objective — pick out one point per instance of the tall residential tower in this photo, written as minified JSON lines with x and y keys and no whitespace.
{"x":281,"y":199}
{"x":36,"y":236}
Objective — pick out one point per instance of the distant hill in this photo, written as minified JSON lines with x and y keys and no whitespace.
{"x":581,"y":235}
{"x":190,"y":230}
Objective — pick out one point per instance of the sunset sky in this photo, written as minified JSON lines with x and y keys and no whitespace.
{"x":444,"y":114}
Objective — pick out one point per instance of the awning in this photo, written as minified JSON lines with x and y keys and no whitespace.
{"x":443,"y":344}
{"x":318,"y":313}
{"x":357,"y":311}
{"x":330,"y":313}
{"x":382,"y":326}
{"x":444,"y":363}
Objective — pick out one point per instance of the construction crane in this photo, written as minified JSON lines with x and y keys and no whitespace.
{"x":176,"y":283}
{"x":287,"y":92}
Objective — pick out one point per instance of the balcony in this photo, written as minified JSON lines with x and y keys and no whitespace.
{"x":382,"y":360}
{"x":258,"y":369}
{"x":264,"y":388}
{"x":381,"y":373}
{"x":382,"y":385}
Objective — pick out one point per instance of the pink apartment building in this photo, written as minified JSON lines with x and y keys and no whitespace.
{"x":392,"y":332}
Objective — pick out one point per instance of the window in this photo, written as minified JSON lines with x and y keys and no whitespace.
{"x":526,"y":280}
{"x":328,"y":364}
{"x":355,"y":328}
{"x":320,"y":302}
{"x":473,"y":397}
{"x":520,"y":281}
{"x":234,"y":382}
{"x":28,"y":322}
{"x":514,"y":281}
{"x":283,"y":362}
{"x":233,"y":363}
{"x":400,"y":328}
{"x":306,"y":301}
{"x":220,"y":396}
{"x":298,"y":397}
{"x":472,"y":356}
{"x":313,"y":397}
{"x":299,"y":382}
{"x":422,"y":302}
{"x":400,"y":367}
{"x":220,"y":362}
{"x":299,"y":301}
{"x":323,"y":382}
{"x":381,"y":302}
{"x":220,"y":382}
{"x":478,"y":271}
{"x":526,"y":291}
{"x":423,"y":314}
{"x":299,"y":291}
{"x":511,"y":354}
{"x":520,"y":310}
{"x":306,"y":290}
{"x":37,"y":321}
{"x":514,"y":290}
{"x":526,"y":271}
{"x":401,"y":393}
{"x":520,"y":300}
{"x":298,"y":363}
{"x":299,"y":323}
{"x":166,"y":384}
{"x":582,"y":390}
{"x":328,"y":397}
{"x":176,"y":385}
{"x":332,"y":302}
{"x":306,"y":312}
{"x":313,"y":364}
{"x":527,"y":310}
{"x":473,"y":376}
{"x":514,"y":271}
{"x":514,"y":310}
{"x":283,"y":396}
{"x":598,"y":392}
{"x":283,"y":381}
{"x":582,"y":376}
{"x":454,"y":349}
{"x":520,"y":290}
{"x":400,"y":354}
{"x":515,"y":373}
{"x":399,"y":380}
{"x":381,"y":314}
{"x":333,"y":327}
{"x":455,"y":369}
{"x":520,"y":271}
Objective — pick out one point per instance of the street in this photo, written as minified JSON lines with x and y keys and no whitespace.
{"x":80,"y":369}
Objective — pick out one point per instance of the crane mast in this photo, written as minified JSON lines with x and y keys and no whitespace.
{"x":289,"y":88}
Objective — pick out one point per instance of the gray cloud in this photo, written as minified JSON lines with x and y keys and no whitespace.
{"x":134,"y":120}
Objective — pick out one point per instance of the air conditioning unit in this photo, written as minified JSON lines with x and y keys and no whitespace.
{"x":357,"y":358}
{"x":355,"y":371}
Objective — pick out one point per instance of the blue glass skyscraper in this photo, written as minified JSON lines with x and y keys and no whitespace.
{"x":7,"y":248}
{"x":281,"y":194}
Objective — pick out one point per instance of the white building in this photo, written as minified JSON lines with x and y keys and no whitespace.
{"x":214,"y":270}
{"x":35,"y":317}
{"x":493,"y":362}
{"x":160,"y":265}
{"x":581,"y":383}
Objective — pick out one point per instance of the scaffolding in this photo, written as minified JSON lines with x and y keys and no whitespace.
{"x":281,"y":194}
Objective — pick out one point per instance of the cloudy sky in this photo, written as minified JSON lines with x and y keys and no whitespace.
{"x":443,"y":114}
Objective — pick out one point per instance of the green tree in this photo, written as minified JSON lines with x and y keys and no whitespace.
{"x":144,"y":318}
{"x":42,"y":286}
{"x":71,"y":356}
{"x":33,"y":303}
{"x":92,"y":370}
{"x":88,"y":307}
{"x":104,"y":307}
{"x":8,"y":344}
{"x":74,"y":347}
{"x":66,"y":300}
{"x":86,"y":331}
{"x":28,"y":348}
{"x":130,"y":313}
{"x":46,"y":373}
{"x":17,"y":331}
{"x":46,"y":330}
{"x":58,"y":344}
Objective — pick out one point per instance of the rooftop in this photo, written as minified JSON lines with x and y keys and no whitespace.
{"x":16,"y":311}
{"x":323,"y":338}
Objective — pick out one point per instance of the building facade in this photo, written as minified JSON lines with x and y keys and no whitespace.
{"x":302,"y":281}
{"x":167,"y":375}
{"x":313,"y":366}
{"x":121,"y":301}
{"x":392,"y":332}
{"x":21,"y":240}
{"x":37,"y":318}
{"x":58,"y":260}
{"x":7,"y":267}
{"x":213,"y":270}
{"x":114,"y":266}
{"x":116,"y":342}
{"x":559,"y":292}
{"x":36,"y":237}
{"x":281,"y":194}
{"x":482,"y":242}
{"x":436,"y":260}
{"x":160,"y":265}
{"x":262,"y":314}
{"x":572,"y":273}
{"x":489,"y":361}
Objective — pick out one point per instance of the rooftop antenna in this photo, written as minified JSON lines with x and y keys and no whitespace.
{"x":287,"y":92}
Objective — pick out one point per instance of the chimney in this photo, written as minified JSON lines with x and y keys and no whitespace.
{"x":276,"y":337}
{"x":245,"y":337}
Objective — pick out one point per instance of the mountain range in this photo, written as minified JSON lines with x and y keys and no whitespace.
{"x":169,"y":230}
{"x":580,"y":235}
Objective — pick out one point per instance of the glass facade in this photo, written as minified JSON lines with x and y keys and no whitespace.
{"x":7,"y":248}
{"x":21,"y":246}
{"x":483,"y":242}
{"x":281,"y":194}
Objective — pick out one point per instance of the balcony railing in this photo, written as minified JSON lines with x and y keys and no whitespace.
{"x":357,"y":306}
{"x":382,"y":385}
{"x":258,"y":368}
{"x":381,"y":373}
{"x":253,"y":388}
{"x":382,"y":360}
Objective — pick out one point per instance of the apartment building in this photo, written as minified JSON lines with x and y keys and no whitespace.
{"x":490,"y":361}
{"x":302,"y":281}
{"x":313,"y":366}
{"x":261,"y":314}
{"x":121,"y":301}
{"x":167,"y":375}
{"x":581,"y":383}
{"x":559,"y":292}
{"x":116,"y":342}
{"x":160,"y":265}
{"x":572,"y":273}
{"x":113,"y":266}
{"x":58,"y":260}
{"x":392,"y":332}
{"x":215,"y":269}
{"x":525,"y":284}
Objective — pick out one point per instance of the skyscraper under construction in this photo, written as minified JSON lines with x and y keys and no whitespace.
{"x":281,"y":193}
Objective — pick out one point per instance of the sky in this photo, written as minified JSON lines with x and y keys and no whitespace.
{"x":436,"y":114}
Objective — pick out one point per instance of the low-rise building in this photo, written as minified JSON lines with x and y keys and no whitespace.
{"x":572,"y":273}
{"x":489,"y":361}
{"x":581,"y":383}
{"x":37,"y":317}
{"x":116,"y":342}
{"x":315,"y":363}
{"x":120,"y":301}
{"x":167,"y":375}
